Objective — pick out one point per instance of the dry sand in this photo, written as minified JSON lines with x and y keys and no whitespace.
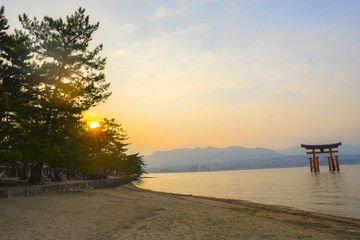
{"x":127,"y":212}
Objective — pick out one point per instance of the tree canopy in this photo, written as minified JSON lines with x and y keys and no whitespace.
{"x":49,"y":77}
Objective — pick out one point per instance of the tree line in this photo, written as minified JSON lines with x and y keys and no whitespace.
{"x":49,"y":77}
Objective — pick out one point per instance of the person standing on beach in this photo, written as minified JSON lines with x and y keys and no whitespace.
{"x":61,"y":175}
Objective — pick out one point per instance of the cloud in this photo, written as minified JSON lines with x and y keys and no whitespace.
{"x":177,"y":65}
{"x":273,"y":87}
{"x":225,"y":73}
{"x":162,"y":11}
{"x":181,"y":8}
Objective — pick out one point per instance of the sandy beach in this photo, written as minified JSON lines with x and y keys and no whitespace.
{"x":127,"y":212}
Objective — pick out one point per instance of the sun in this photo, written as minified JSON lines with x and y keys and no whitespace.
{"x":94,"y":125}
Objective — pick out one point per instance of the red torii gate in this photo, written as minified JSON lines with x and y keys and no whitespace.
{"x":325,"y":148}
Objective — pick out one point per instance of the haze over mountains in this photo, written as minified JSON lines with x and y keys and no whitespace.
{"x":236,"y":157}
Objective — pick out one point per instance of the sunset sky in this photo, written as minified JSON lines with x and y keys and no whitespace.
{"x":201,"y":73}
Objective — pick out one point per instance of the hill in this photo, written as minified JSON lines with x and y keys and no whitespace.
{"x":236,"y":157}
{"x":210,"y":158}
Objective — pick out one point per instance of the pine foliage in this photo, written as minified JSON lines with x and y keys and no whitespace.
{"x":49,"y":77}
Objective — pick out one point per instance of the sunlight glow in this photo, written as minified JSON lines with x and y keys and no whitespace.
{"x":197,"y":74}
{"x":94,"y":125}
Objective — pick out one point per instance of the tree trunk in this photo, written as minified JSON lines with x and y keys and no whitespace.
{"x":24,"y":171}
{"x":51,"y":174}
{"x":36,"y":173}
{"x":69,"y":173}
{"x":13,"y":169}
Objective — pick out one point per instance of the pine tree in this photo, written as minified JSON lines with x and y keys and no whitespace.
{"x":16,"y":97}
{"x":48,"y":78}
{"x":69,"y":78}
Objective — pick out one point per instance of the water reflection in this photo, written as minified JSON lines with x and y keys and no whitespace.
{"x":335,"y":193}
{"x":327,"y":193}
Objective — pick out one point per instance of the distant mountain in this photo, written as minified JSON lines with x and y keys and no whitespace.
{"x":349,"y":150}
{"x":236,"y":157}
{"x":295,"y":150}
{"x":210,"y":158}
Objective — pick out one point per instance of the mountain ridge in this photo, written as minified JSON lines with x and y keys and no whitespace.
{"x":237,"y":157}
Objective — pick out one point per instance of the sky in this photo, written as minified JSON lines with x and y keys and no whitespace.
{"x":198,"y":73}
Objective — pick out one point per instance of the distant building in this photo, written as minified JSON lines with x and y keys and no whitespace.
{"x":204,"y":168}
{"x":194,"y":169}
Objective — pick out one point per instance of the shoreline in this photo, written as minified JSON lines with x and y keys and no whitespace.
{"x":331,"y":193}
{"x":69,"y":185}
{"x":257,"y":206}
{"x":129,"y":212}
{"x":278,"y":208}
{"x":234,"y":200}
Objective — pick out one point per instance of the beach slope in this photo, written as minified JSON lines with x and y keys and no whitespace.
{"x":127,"y":212}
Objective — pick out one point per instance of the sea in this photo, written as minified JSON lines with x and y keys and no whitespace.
{"x":334,"y":193}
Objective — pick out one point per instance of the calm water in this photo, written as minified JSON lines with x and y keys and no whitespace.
{"x":335,"y":193}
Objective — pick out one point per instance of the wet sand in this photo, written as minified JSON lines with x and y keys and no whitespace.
{"x":127,"y":212}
